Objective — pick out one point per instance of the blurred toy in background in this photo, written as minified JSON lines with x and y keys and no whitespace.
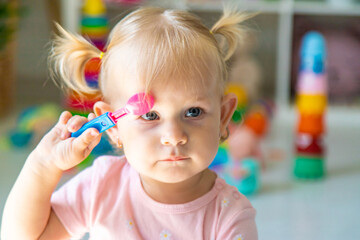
{"x":30,"y":126}
{"x":244,"y":148}
{"x":311,"y":104}
{"x":34,"y":122}
{"x":94,"y":22}
{"x":94,"y":27}
{"x":244,"y":139}
{"x":244,"y":175}
{"x":239,"y":159}
{"x":248,"y":121}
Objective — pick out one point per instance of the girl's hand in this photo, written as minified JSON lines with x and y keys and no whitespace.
{"x":58,"y":149}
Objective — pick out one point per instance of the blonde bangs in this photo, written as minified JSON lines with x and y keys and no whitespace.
{"x":188,"y":59}
{"x":174,"y":47}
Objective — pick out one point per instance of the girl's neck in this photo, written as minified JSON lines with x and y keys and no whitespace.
{"x":178,"y":193}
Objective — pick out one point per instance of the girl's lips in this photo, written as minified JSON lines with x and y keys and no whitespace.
{"x":175,"y":159}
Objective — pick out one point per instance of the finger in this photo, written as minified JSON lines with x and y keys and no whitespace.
{"x":84,"y":142}
{"x":91,"y":116}
{"x":75,"y":123}
{"x":60,"y":127}
{"x":64,"y":118}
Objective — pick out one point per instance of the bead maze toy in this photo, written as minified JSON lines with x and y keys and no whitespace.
{"x":311,"y":104}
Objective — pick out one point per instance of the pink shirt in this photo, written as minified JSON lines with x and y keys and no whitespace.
{"x":108,"y":201}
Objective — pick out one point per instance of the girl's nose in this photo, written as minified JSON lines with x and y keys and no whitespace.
{"x":174,"y":135}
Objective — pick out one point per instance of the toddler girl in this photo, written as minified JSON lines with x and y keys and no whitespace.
{"x":162,"y":187}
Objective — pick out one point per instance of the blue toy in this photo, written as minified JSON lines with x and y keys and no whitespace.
{"x":248,"y":182}
{"x":31,"y":125}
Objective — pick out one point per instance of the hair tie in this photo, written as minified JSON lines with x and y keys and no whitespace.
{"x":101,"y":55}
{"x":211,"y":32}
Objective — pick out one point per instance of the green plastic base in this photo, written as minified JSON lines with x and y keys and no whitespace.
{"x":308,"y":167}
{"x":79,"y":112}
{"x":238,"y":115}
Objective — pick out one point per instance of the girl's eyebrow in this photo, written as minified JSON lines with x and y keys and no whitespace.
{"x":202,"y":99}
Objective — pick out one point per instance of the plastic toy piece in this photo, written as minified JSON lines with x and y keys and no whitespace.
{"x":94,"y":7}
{"x":313,"y":124}
{"x":309,"y":167}
{"x":249,"y":183}
{"x":138,"y":104}
{"x":309,"y":145}
{"x":311,"y":104}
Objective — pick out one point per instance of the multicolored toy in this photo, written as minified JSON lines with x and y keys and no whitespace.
{"x":34,"y":122}
{"x":31,"y":125}
{"x":244,"y":174}
{"x":239,"y":160}
{"x":311,"y":104}
{"x":94,"y":23}
{"x":94,"y":27}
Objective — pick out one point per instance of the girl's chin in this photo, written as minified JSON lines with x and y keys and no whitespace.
{"x":170,"y":177}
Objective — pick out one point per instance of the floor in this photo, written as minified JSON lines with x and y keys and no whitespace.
{"x":286,"y":208}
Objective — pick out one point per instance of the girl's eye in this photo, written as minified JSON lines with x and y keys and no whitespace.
{"x":150,"y":116}
{"x":193,"y":112}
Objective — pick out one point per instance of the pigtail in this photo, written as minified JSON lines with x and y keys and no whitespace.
{"x":67,"y":59}
{"x":229,"y":26}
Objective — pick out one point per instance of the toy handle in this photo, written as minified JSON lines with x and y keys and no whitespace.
{"x":101,"y":123}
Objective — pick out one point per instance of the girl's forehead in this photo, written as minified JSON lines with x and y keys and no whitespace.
{"x":191,"y":88}
{"x":125,"y":76}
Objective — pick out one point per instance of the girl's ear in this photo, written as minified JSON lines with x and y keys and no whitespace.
{"x":228,"y":107}
{"x":100,"y":108}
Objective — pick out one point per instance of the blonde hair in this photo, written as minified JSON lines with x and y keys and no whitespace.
{"x":164,"y":44}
